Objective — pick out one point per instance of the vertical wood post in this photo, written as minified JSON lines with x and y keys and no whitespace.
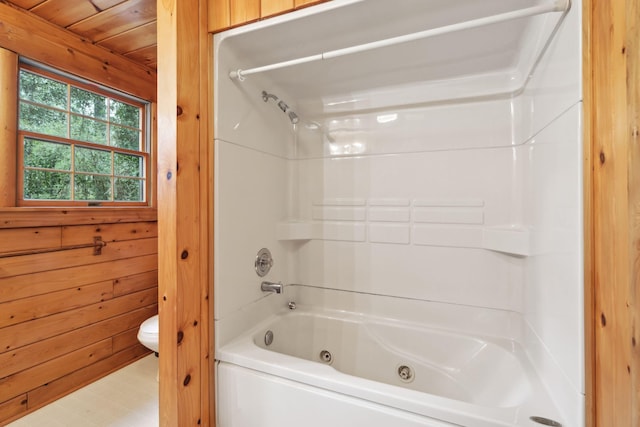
{"x":8,"y":126}
{"x":183,"y":209}
{"x":614,"y":131}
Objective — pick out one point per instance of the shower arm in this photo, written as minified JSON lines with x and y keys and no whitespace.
{"x":553,"y":6}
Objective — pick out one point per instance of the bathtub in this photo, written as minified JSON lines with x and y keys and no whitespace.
{"x":320,"y":367}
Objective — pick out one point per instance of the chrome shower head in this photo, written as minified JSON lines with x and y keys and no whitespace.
{"x":283,"y":106}
{"x":293,"y":117}
{"x":266,"y":96}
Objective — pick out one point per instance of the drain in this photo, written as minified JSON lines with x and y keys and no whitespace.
{"x":545,"y":421}
{"x":268,"y":338}
{"x":405,"y":373}
{"x":325,"y":356}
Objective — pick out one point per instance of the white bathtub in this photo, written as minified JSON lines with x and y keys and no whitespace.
{"x":455,"y":379}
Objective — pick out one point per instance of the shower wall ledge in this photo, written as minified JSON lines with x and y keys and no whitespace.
{"x":508,"y":239}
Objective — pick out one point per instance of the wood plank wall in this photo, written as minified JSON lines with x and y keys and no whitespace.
{"x":67,"y":316}
{"x":224,"y":14}
{"x":612,"y":83}
{"x":185,"y":191}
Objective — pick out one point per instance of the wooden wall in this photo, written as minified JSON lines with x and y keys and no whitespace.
{"x":185,"y":215}
{"x":67,"y":316}
{"x":224,"y":14}
{"x":612,"y":132}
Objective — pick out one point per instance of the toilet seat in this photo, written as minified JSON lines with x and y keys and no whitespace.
{"x":148,"y":333}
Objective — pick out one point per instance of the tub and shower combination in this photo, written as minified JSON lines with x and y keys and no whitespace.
{"x":349,"y":369}
{"x":410,"y":171}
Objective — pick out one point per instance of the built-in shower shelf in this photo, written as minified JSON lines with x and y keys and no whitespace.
{"x":298,"y":231}
{"x":508,"y":239}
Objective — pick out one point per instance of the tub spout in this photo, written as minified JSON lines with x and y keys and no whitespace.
{"x":272,"y":287}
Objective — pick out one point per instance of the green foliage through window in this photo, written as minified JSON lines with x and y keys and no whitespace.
{"x":79,"y":145}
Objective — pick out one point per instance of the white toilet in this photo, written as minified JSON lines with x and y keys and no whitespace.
{"x":149,"y":332}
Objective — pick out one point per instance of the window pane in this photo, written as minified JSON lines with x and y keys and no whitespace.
{"x":43,"y":90}
{"x":124,"y":114}
{"x":126,"y":165}
{"x":129,"y":190}
{"x":125,"y":138}
{"x":92,"y":187}
{"x":84,"y":129}
{"x":49,"y":155}
{"x":42,"y":120}
{"x":92,"y":161}
{"x":88,"y":103}
{"x":43,"y":185}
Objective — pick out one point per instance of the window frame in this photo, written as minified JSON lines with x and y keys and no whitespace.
{"x":73,"y":81}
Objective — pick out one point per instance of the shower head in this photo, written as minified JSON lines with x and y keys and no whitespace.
{"x":266,"y":96}
{"x":293,"y":117}
{"x":283,"y":106}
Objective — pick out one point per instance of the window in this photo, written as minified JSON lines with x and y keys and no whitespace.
{"x":79,"y":144}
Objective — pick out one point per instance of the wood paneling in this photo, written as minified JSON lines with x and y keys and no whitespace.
{"x":49,"y":217}
{"x":118,"y":19}
{"x":51,"y":281}
{"x":219,"y":15}
{"x":8,"y":128}
{"x":24,"y":239}
{"x":140,"y":37}
{"x":145,"y":55}
{"x":38,"y":375}
{"x":66,"y":313}
{"x":275,"y":7}
{"x":45,"y":42}
{"x":224,"y":14}
{"x":613,"y":106}
{"x":56,"y":346}
{"x":63,"y":259}
{"x":243,"y":11}
{"x":24,"y":309}
{"x":13,"y":407}
{"x":303,"y":3}
{"x":54,"y":389}
{"x":65,"y":13}
{"x":77,"y":235}
{"x":184,"y":201}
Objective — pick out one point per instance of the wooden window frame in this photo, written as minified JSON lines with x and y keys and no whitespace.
{"x":145,"y":107}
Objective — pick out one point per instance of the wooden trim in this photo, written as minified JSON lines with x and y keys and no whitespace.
{"x":42,"y":41}
{"x":275,"y":7}
{"x":186,"y":364}
{"x":206,"y":213}
{"x":8,"y":124}
{"x":49,"y":217}
{"x":589,"y":279}
{"x":219,"y":15}
{"x":614,"y":105}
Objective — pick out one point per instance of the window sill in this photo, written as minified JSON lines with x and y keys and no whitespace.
{"x":19,"y":217}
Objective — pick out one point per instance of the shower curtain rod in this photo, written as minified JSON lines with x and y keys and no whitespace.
{"x":553,"y":6}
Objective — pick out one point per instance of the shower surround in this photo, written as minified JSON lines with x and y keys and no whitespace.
{"x":435,"y":184}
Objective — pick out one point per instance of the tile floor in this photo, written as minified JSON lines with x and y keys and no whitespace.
{"x":126,"y":398}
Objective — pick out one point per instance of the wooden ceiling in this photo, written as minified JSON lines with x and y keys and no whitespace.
{"x":126,"y":27}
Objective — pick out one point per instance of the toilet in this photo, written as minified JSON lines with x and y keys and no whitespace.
{"x":148,"y":333}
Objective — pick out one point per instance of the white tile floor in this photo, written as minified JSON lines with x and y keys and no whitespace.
{"x":126,"y":398}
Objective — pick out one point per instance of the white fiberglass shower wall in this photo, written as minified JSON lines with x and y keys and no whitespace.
{"x":446,"y":170}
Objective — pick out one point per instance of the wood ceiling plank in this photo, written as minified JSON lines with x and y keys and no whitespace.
{"x":26,"y":4}
{"x":118,"y":19}
{"x":134,"y":39}
{"x":147,"y":56}
{"x":65,"y":13}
